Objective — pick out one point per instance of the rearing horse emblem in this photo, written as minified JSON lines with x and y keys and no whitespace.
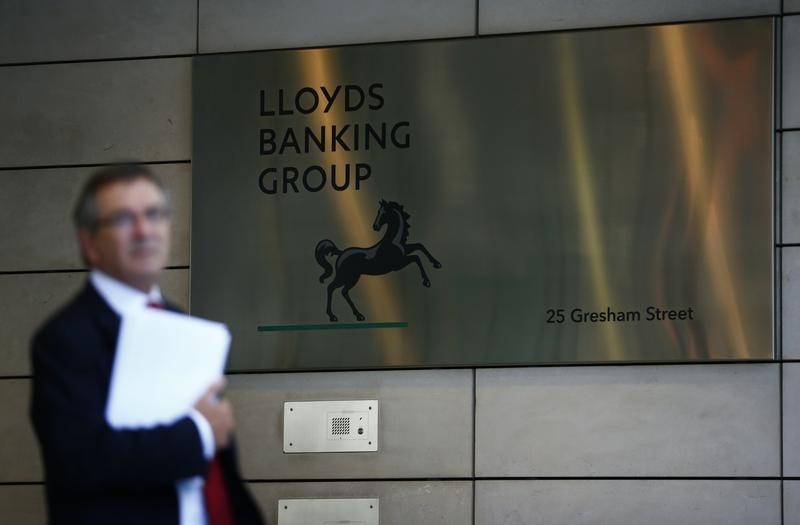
{"x":390,"y":254}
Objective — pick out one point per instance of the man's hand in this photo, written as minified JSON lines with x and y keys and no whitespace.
{"x":218,"y":412}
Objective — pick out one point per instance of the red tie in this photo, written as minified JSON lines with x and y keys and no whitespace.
{"x":155,"y":304}
{"x":218,"y":506}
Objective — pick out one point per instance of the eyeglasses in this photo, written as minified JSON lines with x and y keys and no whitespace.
{"x":126,"y":219}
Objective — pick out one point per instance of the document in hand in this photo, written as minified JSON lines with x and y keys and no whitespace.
{"x":164,"y":362}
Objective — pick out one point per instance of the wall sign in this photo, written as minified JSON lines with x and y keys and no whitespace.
{"x":601,"y":195}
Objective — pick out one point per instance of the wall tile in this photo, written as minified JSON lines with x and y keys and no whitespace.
{"x":90,"y":113}
{"x":175,"y":287}
{"x":424,"y":427}
{"x":791,"y":502}
{"x":37,"y":296}
{"x":506,"y":16}
{"x":791,"y":72}
{"x":411,"y":444}
{"x":238,"y":25}
{"x":401,"y":502}
{"x":22,"y":505}
{"x":628,"y":502}
{"x":790,"y":175}
{"x":791,"y":302}
{"x":791,"y":419}
{"x":791,"y":6}
{"x":649,"y":421}
{"x":35,"y":31}
{"x":19,"y":451}
{"x":36,"y":216}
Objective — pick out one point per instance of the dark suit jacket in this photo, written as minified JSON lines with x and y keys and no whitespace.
{"x":94,"y":473}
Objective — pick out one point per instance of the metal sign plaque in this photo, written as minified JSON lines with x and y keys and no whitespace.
{"x":329,"y":511}
{"x":330,"y":426}
{"x":590,"y":196}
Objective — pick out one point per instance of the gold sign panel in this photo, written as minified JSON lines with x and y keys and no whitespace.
{"x":590,"y":196}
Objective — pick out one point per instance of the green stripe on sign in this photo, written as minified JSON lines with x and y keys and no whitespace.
{"x":329,"y":326}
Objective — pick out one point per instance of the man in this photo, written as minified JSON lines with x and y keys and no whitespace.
{"x":184,"y":473}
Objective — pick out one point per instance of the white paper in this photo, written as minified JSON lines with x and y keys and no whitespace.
{"x":164,"y":362}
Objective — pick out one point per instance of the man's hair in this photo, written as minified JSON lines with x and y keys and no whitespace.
{"x":85,"y":214}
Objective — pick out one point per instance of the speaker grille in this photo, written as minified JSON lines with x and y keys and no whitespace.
{"x":340,"y":426}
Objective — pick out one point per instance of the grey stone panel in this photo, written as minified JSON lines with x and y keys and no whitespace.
{"x":791,"y":6}
{"x":401,"y":502}
{"x":628,"y":502}
{"x":791,"y":72}
{"x":37,"y":296}
{"x":39,"y":31}
{"x":505,"y":16}
{"x":629,"y":421}
{"x":175,"y":287}
{"x":91,"y":113}
{"x":19,"y":451}
{"x":236,"y":25}
{"x":791,"y":419}
{"x":791,"y":502}
{"x":36,"y":216}
{"x":22,"y":505}
{"x":424,"y":426}
{"x":791,"y":302}
{"x":790,"y":175}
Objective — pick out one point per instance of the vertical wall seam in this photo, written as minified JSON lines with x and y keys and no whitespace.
{"x":778,"y":178}
{"x":780,"y":439}
{"x":778,"y":94}
{"x":197,"y":28}
{"x":779,"y":276}
{"x":477,"y":17}
{"x":474,"y":437}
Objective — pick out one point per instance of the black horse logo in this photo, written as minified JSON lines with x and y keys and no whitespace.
{"x":390,"y":254}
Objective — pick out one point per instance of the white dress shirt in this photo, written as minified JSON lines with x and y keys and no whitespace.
{"x":122,"y":299}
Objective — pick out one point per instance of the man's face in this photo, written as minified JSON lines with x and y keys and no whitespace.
{"x":131,"y":241}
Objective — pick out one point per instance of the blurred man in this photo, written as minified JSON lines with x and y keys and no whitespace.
{"x":184,"y":473}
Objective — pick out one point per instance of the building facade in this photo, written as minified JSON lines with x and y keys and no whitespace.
{"x":86,"y":82}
